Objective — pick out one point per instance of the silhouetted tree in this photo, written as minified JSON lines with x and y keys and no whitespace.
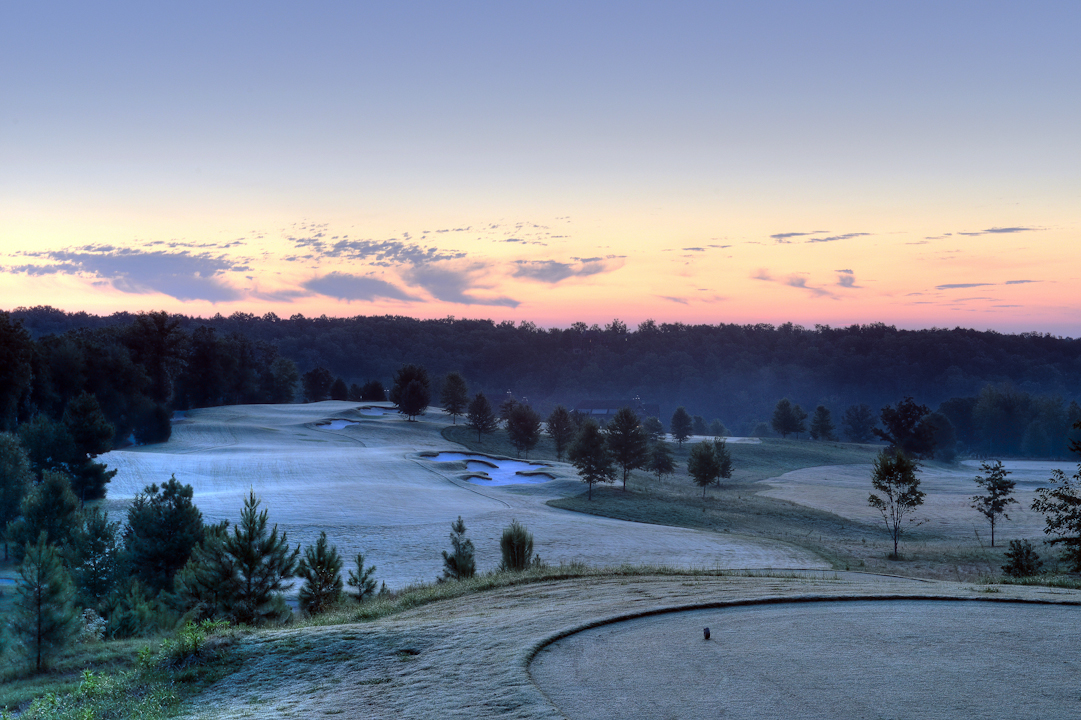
{"x":373,"y":391}
{"x":92,"y":435}
{"x":1060,"y":505}
{"x":411,"y":391}
{"x":698,"y":424}
{"x":481,"y":416}
{"x":523,"y":428}
{"x":894,"y":475}
{"x":282,"y":381}
{"x":627,"y":442}
{"x":717,"y":429}
{"x":999,"y":488}
{"x":338,"y":390}
{"x":15,"y":479}
{"x":49,"y":446}
{"x":858,"y":423}
{"x":158,"y":344}
{"x":16,"y":352}
{"x":822,"y":424}
{"x":454,"y":396}
{"x":560,"y":427}
{"x":682,"y":425}
{"x":905,"y":429}
{"x":788,"y":418}
{"x":943,"y":437}
{"x":1023,"y":561}
{"x":590,"y":456}
{"x":317,"y":384}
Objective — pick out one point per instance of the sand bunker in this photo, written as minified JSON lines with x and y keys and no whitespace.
{"x":376,"y":411}
{"x":881,"y":659}
{"x":496,"y":471}
{"x":337,"y":424}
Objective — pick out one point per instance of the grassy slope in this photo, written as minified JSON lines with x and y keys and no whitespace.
{"x":736,"y":508}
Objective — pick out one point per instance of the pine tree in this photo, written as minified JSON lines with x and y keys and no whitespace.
{"x":44,"y":615}
{"x":94,"y":557}
{"x":362,"y":579}
{"x":682,"y":424}
{"x":92,"y":435}
{"x":788,"y":418}
{"x":15,"y":479}
{"x":454,"y":396}
{"x":481,"y":417}
{"x":264,"y":563}
{"x":560,"y":427}
{"x":163,"y":527}
{"x":460,"y":563}
{"x":205,"y":586}
{"x":50,"y":508}
{"x":590,"y":455}
{"x":321,"y":571}
{"x":627,"y":442}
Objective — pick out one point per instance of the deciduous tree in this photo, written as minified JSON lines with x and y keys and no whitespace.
{"x":681,"y":425}
{"x":523,"y":428}
{"x":411,"y":391}
{"x":627,"y":442}
{"x":703,"y":467}
{"x":905,"y":429}
{"x":999,"y":488}
{"x":788,"y":418}
{"x":894,"y":476}
{"x":858,"y":423}
{"x":653,"y":427}
{"x":317,"y":384}
{"x":454,"y":396}
{"x":560,"y":427}
{"x":590,"y":456}
{"x":1060,"y":505}
{"x":339,"y":390}
{"x":660,"y":460}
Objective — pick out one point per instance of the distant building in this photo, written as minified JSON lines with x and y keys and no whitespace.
{"x":603,"y":410}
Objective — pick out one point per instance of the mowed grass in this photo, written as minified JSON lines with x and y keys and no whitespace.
{"x":736,"y":507}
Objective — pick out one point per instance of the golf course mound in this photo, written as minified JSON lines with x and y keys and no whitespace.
{"x":854,"y":659}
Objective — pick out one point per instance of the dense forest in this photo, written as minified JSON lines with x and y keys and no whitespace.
{"x":1013,"y":394}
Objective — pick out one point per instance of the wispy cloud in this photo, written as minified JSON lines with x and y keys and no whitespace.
{"x":344,"y":286}
{"x":681,"y":301}
{"x":786,"y":237}
{"x":957,"y":286}
{"x":798,"y":281}
{"x":551,"y":271}
{"x":182,"y":275}
{"x":1000,"y":231}
{"x":835,"y":238}
{"x":452,"y":284}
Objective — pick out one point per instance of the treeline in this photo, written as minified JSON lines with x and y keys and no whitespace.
{"x":732,"y":372}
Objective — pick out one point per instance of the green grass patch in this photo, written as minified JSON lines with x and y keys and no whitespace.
{"x":1070,"y":582}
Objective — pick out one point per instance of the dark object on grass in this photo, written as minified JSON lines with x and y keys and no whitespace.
{"x":705,"y":633}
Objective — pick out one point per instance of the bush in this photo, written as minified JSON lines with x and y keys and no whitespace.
{"x":1023,"y":560}
{"x":516,"y":545}
{"x":362,"y":581}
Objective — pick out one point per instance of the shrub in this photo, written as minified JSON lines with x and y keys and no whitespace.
{"x":516,"y":545}
{"x":321,"y":570}
{"x":1023,"y":560}
{"x":362,"y":580}
{"x":459,"y":564}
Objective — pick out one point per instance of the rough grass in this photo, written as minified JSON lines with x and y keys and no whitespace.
{"x":736,"y":507}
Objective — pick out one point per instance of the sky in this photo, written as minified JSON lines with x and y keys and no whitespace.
{"x":916,"y":163}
